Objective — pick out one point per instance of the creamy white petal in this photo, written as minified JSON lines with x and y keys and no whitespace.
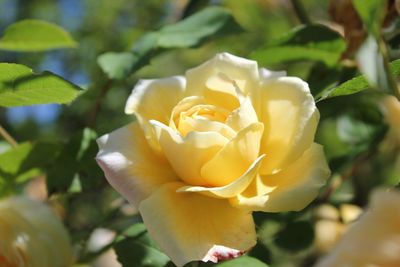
{"x":130,"y":165}
{"x":243,"y":71}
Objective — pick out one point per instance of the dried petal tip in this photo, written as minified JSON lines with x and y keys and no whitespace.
{"x":221,"y":253}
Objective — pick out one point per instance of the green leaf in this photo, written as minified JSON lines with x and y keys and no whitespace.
{"x":35,"y":35}
{"x":19,"y":86}
{"x":76,"y":155}
{"x":209,"y":23}
{"x":25,"y":161}
{"x":295,"y":236}
{"x":371,"y":12}
{"x":193,"y":31}
{"x":357,"y":84}
{"x":137,"y":249}
{"x":238,"y":262}
{"x":307,"y":42}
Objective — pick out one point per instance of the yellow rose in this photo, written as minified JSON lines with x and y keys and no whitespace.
{"x":209,"y":148}
{"x":31,"y":235}
{"x":391,"y":110}
{"x":374,"y":240}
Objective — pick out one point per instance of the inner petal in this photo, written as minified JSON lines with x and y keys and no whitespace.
{"x":222,"y":91}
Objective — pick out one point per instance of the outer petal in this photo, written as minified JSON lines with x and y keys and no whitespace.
{"x":290,"y":119}
{"x":130,"y":165}
{"x":243,"y":71}
{"x":234,"y":158}
{"x":155,"y":99}
{"x":232,"y":189}
{"x":290,"y":189}
{"x":189,"y":226}
{"x":187,"y":155}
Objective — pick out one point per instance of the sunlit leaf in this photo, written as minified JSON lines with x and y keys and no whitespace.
{"x":137,"y":248}
{"x":20,"y":86}
{"x":371,"y":13}
{"x":357,"y":84}
{"x":25,"y":161}
{"x":209,"y":23}
{"x":307,"y":42}
{"x":35,"y":35}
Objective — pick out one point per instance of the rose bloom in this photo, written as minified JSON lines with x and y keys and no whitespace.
{"x":391,"y":110}
{"x":31,"y":235}
{"x":209,"y":148}
{"x":374,"y":240}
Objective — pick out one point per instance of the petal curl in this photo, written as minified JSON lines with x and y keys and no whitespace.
{"x":243,"y":71}
{"x":130,"y":165}
{"x":187,"y":226}
{"x":290,"y":189}
{"x":155,"y":99}
{"x":230,"y":190}
{"x":188,"y":154}
{"x":234,"y":158}
{"x":290,"y":118}
{"x":243,"y":116}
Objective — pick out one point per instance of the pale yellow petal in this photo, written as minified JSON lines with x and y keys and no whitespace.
{"x":290,"y":189}
{"x":230,"y":190}
{"x":188,"y":154}
{"x":188,"y":226}
{"x":130,"y":165}
{"x":243,"y":71}
{"x":155,"y":99}
{"x":290,"y":119}
{"x":243,"y":116}
{"x":234,"y":158}
{"x":203,"y":125}
{"x":222,"y":91}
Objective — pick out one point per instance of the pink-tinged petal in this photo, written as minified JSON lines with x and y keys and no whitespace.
{"x":188,"y":154}
{"x":234,"y":158}
{"x":188,"y":226}
{"x":290,"y":189}
{"x":230,"y":190}
{"x":130,"y":165}
{"x":290,"y":118}
{"x":242,"y":71}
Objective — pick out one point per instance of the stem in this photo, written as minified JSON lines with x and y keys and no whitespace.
{"x":97,"y":106}
{"x":8,"y":137}
{"x":300,"y":11}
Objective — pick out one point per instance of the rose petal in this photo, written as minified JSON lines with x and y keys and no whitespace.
{"x":290,"y":189}
{"x":290,"y":119}
{"x":232,"y":189}
{"x":187,"y":226}
{"x":243,"y":71}
{"x":155,"y":99}
{"x":130,"y":165}
{"x":221,"y":91}
{"x":242,"y":116}
{"x":234,"y":158}
{"x":188,"y":154}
